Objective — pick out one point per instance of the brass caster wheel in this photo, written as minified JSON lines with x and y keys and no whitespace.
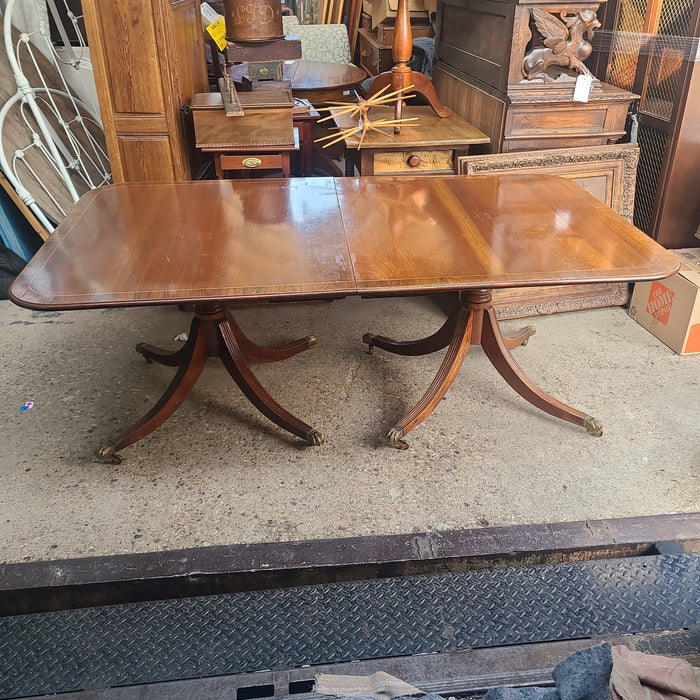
{"x":108,"y":455}
{"x":395,"y":438}
{"x":530,"y":330}
{"x":593,"y":426}
{"x":315,"y":438}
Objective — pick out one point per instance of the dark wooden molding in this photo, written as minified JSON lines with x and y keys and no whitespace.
{"x":70,"y":583}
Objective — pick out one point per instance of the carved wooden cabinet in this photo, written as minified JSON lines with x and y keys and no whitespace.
{"x":149,"y":61}
{"x":510,"y":67}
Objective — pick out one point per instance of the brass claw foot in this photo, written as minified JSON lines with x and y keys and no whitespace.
{"x":395,"y":438}
{"x":520,"y":337}
{"x":311,"y":341}
{"x":107,"y":454}
{"x":530,"y":330}
{"x":593,"y":426}
{"x":315,"y":438}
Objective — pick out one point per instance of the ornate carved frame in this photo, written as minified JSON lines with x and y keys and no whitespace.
{"x":609,"y":173}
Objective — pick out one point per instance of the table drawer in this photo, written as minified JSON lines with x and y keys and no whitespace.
{"x":414,"y":162}
{"x":263,"y":161}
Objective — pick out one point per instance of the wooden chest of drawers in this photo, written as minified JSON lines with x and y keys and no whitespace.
{"x":375,"y":57}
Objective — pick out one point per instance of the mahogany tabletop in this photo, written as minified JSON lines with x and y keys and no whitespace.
{"x":143,"y":244}
{"x":155,"y":243}
{"x":455,"y":232}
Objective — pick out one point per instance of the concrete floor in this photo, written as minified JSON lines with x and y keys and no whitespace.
{"x":220,"y":473}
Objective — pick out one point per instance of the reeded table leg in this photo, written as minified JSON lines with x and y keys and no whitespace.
{"x":260,"y":353}
{"x":193,"y":355}
{"x":171,"y":358}
{"x":473,"y":322}
{"x":213,"y":332}
{"x":497,"y":351}
{"x":235,"y":362}
{"x":437,"y":341}
{"x":456,"y":352}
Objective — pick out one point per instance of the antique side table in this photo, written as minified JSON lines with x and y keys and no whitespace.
{"x":428,"y":146}
{"x":316,"y":81}
{"x":260,"y":140}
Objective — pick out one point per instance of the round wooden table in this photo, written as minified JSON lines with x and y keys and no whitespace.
{"x":316,"y":81}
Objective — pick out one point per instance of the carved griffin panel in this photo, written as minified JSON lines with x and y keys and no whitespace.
{"x":565,"y":42}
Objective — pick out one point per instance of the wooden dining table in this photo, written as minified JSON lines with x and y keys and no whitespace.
{"x":209,"y":245}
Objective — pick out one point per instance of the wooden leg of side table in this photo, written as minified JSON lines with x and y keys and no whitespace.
{"x":213,"y":332}
{"x":473,"y":322}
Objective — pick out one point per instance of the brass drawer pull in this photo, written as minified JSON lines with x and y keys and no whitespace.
{"x":251,"y":162}
{"x":413,"y":161}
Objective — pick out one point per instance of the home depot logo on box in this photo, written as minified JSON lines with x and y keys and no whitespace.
{"x":670,"y":308}
{"x":660,"y":302}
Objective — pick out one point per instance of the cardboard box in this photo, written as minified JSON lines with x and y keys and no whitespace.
{"x":670,"y":308}
{"x":379,"y":10}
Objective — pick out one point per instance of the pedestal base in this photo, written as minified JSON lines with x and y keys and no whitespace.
{"x":473,"y":322}
{"x":213,"y":332}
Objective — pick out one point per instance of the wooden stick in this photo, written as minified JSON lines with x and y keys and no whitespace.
{"x":344,"y":135}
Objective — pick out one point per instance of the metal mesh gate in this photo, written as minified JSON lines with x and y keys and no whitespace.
{"x":647,"y":58}
{"x":652,"y":143}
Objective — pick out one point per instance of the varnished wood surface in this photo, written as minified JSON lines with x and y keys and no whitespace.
{"x":270,"y":127}
{"x":152,"y":243}
{"x":429,"y":131}
{"x":312,"y":76}
{"x":446,"y":233}
{"x":317,"y":75}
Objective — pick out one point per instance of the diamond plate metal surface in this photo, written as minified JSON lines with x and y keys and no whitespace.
{"x":286,"y":628}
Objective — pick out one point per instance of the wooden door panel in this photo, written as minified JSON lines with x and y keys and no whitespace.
{"x":130,"y":51}
{"x":146,"y":159}
{"x":148,"y":57}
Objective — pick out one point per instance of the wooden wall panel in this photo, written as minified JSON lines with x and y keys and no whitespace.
{"x":146,"y":159}
{"x":130,"y":51}
{"x":475,"y":38}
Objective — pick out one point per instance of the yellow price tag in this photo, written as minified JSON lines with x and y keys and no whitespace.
{"x":217,"y":31}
